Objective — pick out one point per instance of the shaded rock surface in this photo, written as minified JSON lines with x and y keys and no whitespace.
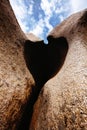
{"x":16,"y":82}
{"x":62,"y":103}
{"x":26,"y":64}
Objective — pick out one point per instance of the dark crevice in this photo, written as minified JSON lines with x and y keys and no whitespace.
{"x":43,"y":61}
{"x":28,"y":111}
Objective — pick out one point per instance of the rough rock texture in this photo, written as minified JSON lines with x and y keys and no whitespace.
{"x":62,"y":103}
{"x":16,"y":82}
{"x":26,"y":65}
{"x":32,"y":37}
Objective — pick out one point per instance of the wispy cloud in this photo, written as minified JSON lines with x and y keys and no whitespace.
{"x":20,"y":11}
{"x":30,"y":10}
{"x":52,"y":9}
{"x":38,"y":30}
{"x":39,"y":17}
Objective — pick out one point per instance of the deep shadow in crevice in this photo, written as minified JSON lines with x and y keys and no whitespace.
{"x":43,"y":61}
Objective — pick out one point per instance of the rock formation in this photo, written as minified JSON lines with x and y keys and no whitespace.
{"x":62,"y":103}
{"x":32,"y":37}
{"x":16,"y":82}
{"x":27,"y":65}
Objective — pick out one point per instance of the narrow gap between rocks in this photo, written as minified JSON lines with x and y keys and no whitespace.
{"x":43,"y":61}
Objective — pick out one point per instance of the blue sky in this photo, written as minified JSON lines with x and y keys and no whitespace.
{"x":41,"y":16}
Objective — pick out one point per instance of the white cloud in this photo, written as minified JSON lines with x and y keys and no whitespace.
{"x":78,"y":5}
{"x":23,"y":25}
{"x":19,"y":8}
{"x":20,"y":11}
{"x":61,"y":8}
{"x":23,"y":13}
{"x":47,"y":23}
{"x":61,"y":18}
{"x":54,"y":7}
{"x":38,"y":30}
{"x":30,"y":10}
{"x":49,"y":7}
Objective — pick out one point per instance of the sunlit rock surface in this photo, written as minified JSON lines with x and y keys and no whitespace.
{"x":58,"y":71}
{"x":32,"y":37}
{"x":16,"y":81}
{"x":62,"y":103}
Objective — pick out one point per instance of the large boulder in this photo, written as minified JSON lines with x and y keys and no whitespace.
{"x":62,"y":103}
{"x":16,"y":82}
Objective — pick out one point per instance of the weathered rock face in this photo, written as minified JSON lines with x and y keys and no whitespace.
{"x":62,"y":103}
{"x":16,"y":81}
{"x":32,"y":37}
